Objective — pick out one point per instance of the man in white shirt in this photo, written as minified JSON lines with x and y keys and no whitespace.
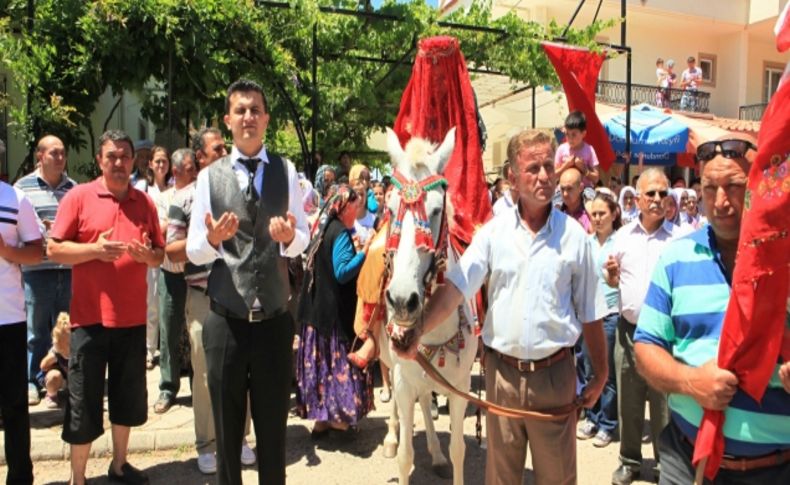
{"x":20,"y":243}
{"x":247,"y":218}
{"x":543,"y":296}
{"x":635,"y":252}
{"x":690,"y":80}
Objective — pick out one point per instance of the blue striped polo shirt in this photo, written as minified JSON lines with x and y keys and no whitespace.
{"x":45,"y":200}
{"x":683,"y":313}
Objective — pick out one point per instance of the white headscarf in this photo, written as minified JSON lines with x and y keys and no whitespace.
{"x":628,"y":215}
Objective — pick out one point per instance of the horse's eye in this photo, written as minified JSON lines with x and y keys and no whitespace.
{"x":436,"y":212}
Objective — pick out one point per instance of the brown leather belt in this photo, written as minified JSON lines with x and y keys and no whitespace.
{"x":743,"y":464}
{"x":753,"y":463}
{"x":532,"y":365}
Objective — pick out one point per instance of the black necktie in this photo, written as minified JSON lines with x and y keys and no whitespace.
{"x":252,"y":165}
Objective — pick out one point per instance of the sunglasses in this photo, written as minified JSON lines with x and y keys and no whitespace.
{"x":651,"y":194}
{"x":727,"y":148}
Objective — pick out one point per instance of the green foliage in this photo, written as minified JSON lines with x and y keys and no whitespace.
{"x":180,"y":56}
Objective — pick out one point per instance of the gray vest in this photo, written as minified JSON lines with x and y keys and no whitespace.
{"x":252,"y":265}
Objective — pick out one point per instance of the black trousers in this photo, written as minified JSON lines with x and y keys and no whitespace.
{"x":13,"y":403}
{"x":249,"y":357}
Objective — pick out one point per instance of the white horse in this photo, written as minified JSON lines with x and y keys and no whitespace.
{"x":405,"y":295}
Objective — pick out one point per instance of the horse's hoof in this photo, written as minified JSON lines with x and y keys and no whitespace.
{"x":390,"y":450}
{"x":443,"y":471}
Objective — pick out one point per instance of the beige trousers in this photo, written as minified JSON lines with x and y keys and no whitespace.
{"x":552,"y":444}
{"x":197,"y":307}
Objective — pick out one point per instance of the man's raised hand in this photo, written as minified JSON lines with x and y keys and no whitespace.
{"x":283,"y":230}
{"x":106,"y":250}
{"x":142,"y":252}
{"x":222,"y":229}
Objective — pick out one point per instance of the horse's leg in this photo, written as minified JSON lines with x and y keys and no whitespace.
{"x":391,"y":440}
{"x":457,"y":444}
{"x":404,"y":397}
{"x":438,"y":461}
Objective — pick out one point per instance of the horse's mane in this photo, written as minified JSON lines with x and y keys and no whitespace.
{"x":417,"y":151}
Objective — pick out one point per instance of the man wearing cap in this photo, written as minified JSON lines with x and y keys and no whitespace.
{"x":47,"y":284}
{"x":248,"y":219}
{"x":678,"y":335}
{"x":142,"y":157}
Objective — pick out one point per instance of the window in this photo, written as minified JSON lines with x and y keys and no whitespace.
{"x":707,"y":64}
{"x":772,"y":73}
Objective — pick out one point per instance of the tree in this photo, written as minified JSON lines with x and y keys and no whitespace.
{"x":74,"y":50}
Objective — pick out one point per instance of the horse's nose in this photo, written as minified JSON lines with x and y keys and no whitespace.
{"x":399,"y":304}
{"x":413,"y":303}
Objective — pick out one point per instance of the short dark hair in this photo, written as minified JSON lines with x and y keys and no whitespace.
{"x":245,"y":86}
{"x":197,"y":140}
{"x":691,"y":59}
{"x":576,"y":121}
{"x":115,"y":136}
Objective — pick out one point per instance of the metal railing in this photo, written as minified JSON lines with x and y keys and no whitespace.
{"x":676,"y":99}
{"x":752,"y":112}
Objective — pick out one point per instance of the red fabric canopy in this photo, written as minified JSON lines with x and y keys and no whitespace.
{"x":578,"y":71}
{"x":752,"y":332}
{"x":438,"y":97}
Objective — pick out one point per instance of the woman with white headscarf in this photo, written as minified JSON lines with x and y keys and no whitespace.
{"x":627,"y":201}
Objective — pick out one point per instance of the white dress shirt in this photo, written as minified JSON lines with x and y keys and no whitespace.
{"x":541,"y":288}
{"x":637,"y":253}
{"x":200,"y":251}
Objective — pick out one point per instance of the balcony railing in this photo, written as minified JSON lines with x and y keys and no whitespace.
{"x":752,"y":112}
{"x":677,"y":99}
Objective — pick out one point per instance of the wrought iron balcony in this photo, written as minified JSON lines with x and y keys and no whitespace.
{"x":752,"y":112}
{"x":677,"y":99}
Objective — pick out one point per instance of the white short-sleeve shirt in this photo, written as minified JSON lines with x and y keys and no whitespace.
{"x":541,"y":289}
{"x":19,"y":224}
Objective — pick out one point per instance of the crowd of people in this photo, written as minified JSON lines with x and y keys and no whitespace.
{"x":105,"y":279}
{"x":667,"y":80}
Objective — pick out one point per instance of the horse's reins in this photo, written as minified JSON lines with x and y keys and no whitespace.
{"x":414,"y":200}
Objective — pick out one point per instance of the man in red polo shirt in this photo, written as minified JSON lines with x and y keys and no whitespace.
{"x":109,"y":232}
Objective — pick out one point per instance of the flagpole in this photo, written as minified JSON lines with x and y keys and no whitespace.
{"x":627,"y":93}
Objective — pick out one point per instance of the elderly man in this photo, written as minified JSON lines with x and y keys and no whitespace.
{"x":534,"y":254}
{"x":248,"y":219}
{"x":20,"y":243}
{"x":678,"y":335}
{"x":572,"y":204}
{"x":47,"y":284}
{"x":635,"y":250}
{"x":172,"y":288}
{"x":109,"y":232}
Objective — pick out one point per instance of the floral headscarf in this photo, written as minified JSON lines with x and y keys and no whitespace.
{"x":331,"y":210}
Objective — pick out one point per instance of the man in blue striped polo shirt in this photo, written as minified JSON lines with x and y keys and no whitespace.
{"x":47,"y":284}
{"x":677,"y":339}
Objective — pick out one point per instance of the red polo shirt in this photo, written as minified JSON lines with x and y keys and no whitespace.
{"x":112,"y":294}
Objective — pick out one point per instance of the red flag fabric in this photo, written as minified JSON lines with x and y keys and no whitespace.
{"x":752,"y":332}
{"x":578,"y":71}
{"x":782,"y":29}
{"x":438,"y":97}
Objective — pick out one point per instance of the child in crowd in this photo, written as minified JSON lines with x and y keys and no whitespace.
{"x":55,"y":365}
{"x":661,"y":81}
{"x":575,"y":152}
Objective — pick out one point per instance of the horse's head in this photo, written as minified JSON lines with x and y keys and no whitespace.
{"x":416,"y":206}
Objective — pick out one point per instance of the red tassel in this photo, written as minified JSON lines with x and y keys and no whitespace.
{"x":441,"y":358}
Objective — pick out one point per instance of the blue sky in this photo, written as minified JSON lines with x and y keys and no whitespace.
{"x":377,"y":3}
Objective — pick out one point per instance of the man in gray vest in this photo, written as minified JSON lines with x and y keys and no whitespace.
{"x":248,"y":218}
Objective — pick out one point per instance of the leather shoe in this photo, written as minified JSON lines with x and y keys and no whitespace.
{"x":624,"y":475}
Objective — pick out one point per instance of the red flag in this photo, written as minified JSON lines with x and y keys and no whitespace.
{"x":782,"y":29}
{"x":578,"y":71}
{"x":752,"y":332}
{"x":438,"y":97}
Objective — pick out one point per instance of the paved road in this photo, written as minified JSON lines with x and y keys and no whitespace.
{"x":164,"y":448}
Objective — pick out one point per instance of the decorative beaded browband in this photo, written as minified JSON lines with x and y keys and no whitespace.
{"x":412,"y":195}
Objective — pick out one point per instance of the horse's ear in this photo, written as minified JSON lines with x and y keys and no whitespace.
{"x":445,"y":151}
{"x":394,"y":148}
